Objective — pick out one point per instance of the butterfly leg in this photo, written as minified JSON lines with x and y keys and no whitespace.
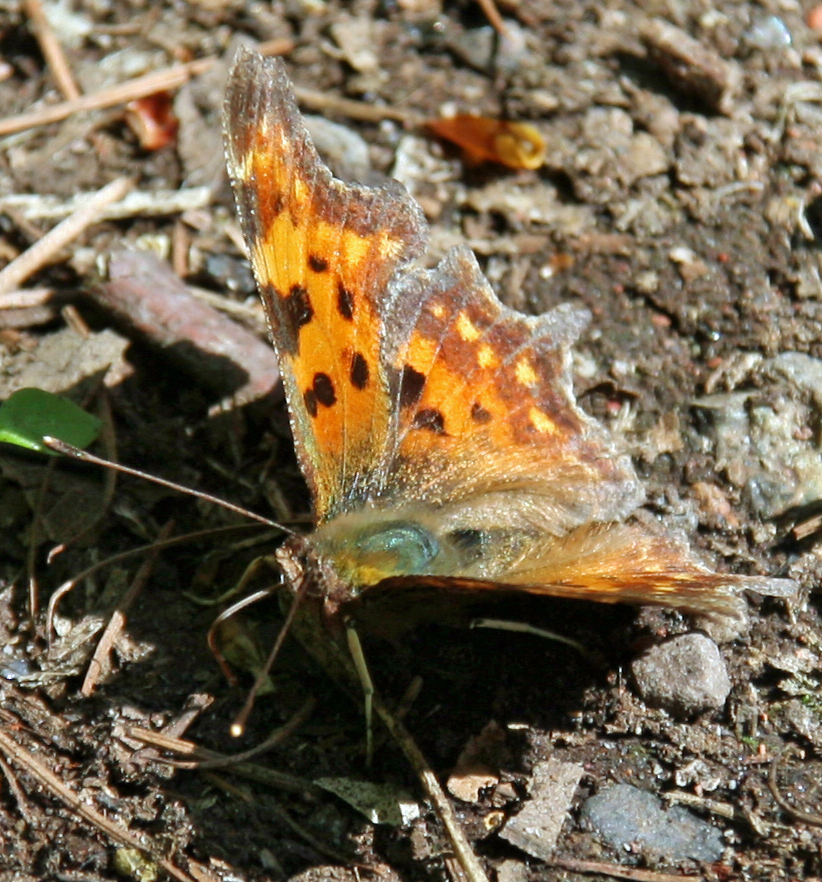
{"x":358,"y":657}
{"x":592,"y":657}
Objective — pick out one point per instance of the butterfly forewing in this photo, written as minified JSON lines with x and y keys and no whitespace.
{"x":323,"y":253}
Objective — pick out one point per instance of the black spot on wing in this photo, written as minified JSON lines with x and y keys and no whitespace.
{"x":297,"y":306}
{"x":324,"y":389}
{"x":264,"y":211}
{"x":275,"y":205}
{"x":359,"y":371}
{"x":431,"y":419}
{"x":317,"y":263}
{"x":310,"y":401}
{"x":479,"y":413}
{"x":411,"y":385}
{"x":345,"y":302}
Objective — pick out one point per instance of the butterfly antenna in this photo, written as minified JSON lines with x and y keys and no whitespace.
{"x":84,"y":456}
{"x":238,"y":726}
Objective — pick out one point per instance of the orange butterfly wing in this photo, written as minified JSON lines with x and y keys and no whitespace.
{"x":416,"y":397}
{"x":486,"y":405}
{"x":323,"y":253}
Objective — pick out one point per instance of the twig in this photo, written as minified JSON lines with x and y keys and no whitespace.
{"x":17,"y":793}
{"x":714,"y":806}
{"x":309,"y":630}
{"x":330,"y":103}
{"x":250,"y":771}
{"x":100,"y":662}
{"x":25,"y":298}
{"x":773,"y":785}
{"x":140,"y":203}
{"x":34,"y":542}
{"x":161,"y":81}
{"x":618,"y":872}
{"x":36,"y":257}
{"x":130,"y":90}
{"x":274,"y":740}
{"x":51,"y":49}
{"x":493,"y":16}
{"x":21,"y":758}
{"x":468,"y":861}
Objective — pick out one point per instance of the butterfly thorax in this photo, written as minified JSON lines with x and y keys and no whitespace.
{"x":367,"y":546}
{"x":348,"y":554}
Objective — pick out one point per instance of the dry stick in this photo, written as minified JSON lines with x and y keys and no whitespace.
{"x":337,"y":662}
{"x":130,"y":90}
{"x":493,"y":16}
{"x":618,"y":872}
{"x":26,"y":207}
{"x":100,"y":660}
{"x":327,"y":102}
{"x":274,"y":740}
{"x":20,"y":799}
{"x":249,"y":771}
{"x":51,"y":49}
{"x":26,"y":298}
{"x":442,"y":805}
{"x":162,"y":81}
{"x":21,"y":758}
{"x":36,"y":257}
{"x":34,"y":542}
{"x":237,"y":764}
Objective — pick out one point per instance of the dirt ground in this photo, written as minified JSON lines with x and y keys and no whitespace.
{"x":680,"y":202}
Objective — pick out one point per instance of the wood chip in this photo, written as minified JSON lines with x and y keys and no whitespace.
{"x":224,"y":356}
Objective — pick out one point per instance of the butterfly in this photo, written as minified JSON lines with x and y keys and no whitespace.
{"x":437,"y":429}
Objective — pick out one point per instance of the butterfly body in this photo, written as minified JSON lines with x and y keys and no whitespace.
{"x":437,"y":429}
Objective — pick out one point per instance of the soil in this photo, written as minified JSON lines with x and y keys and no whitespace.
{"x":679,"y":202}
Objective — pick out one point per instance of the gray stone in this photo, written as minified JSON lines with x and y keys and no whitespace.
{"x":628,"y":818}
{"x":343,"y":149}
{"x":685,"y":675}
{"x":762,"y":430}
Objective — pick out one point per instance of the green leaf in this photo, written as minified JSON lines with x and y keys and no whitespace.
{"x":30,"y":414}
{"x":380,"y":803}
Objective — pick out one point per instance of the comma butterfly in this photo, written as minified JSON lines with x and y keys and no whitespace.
{"x":437,"y":428}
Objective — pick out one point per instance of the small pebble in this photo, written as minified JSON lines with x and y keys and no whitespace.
{"x":691,"y":66}
{"x":631,"y":819}
{"x":475,"y":47}
{"x":343,"y":149}
{"x":684,"y":676}
{"x":768,"y":34}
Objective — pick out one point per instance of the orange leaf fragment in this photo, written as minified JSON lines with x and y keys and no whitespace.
{"x":152,"y":120}
{"x":516,"y":145}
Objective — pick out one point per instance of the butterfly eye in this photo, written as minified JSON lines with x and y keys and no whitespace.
{"x":402,"y":547}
